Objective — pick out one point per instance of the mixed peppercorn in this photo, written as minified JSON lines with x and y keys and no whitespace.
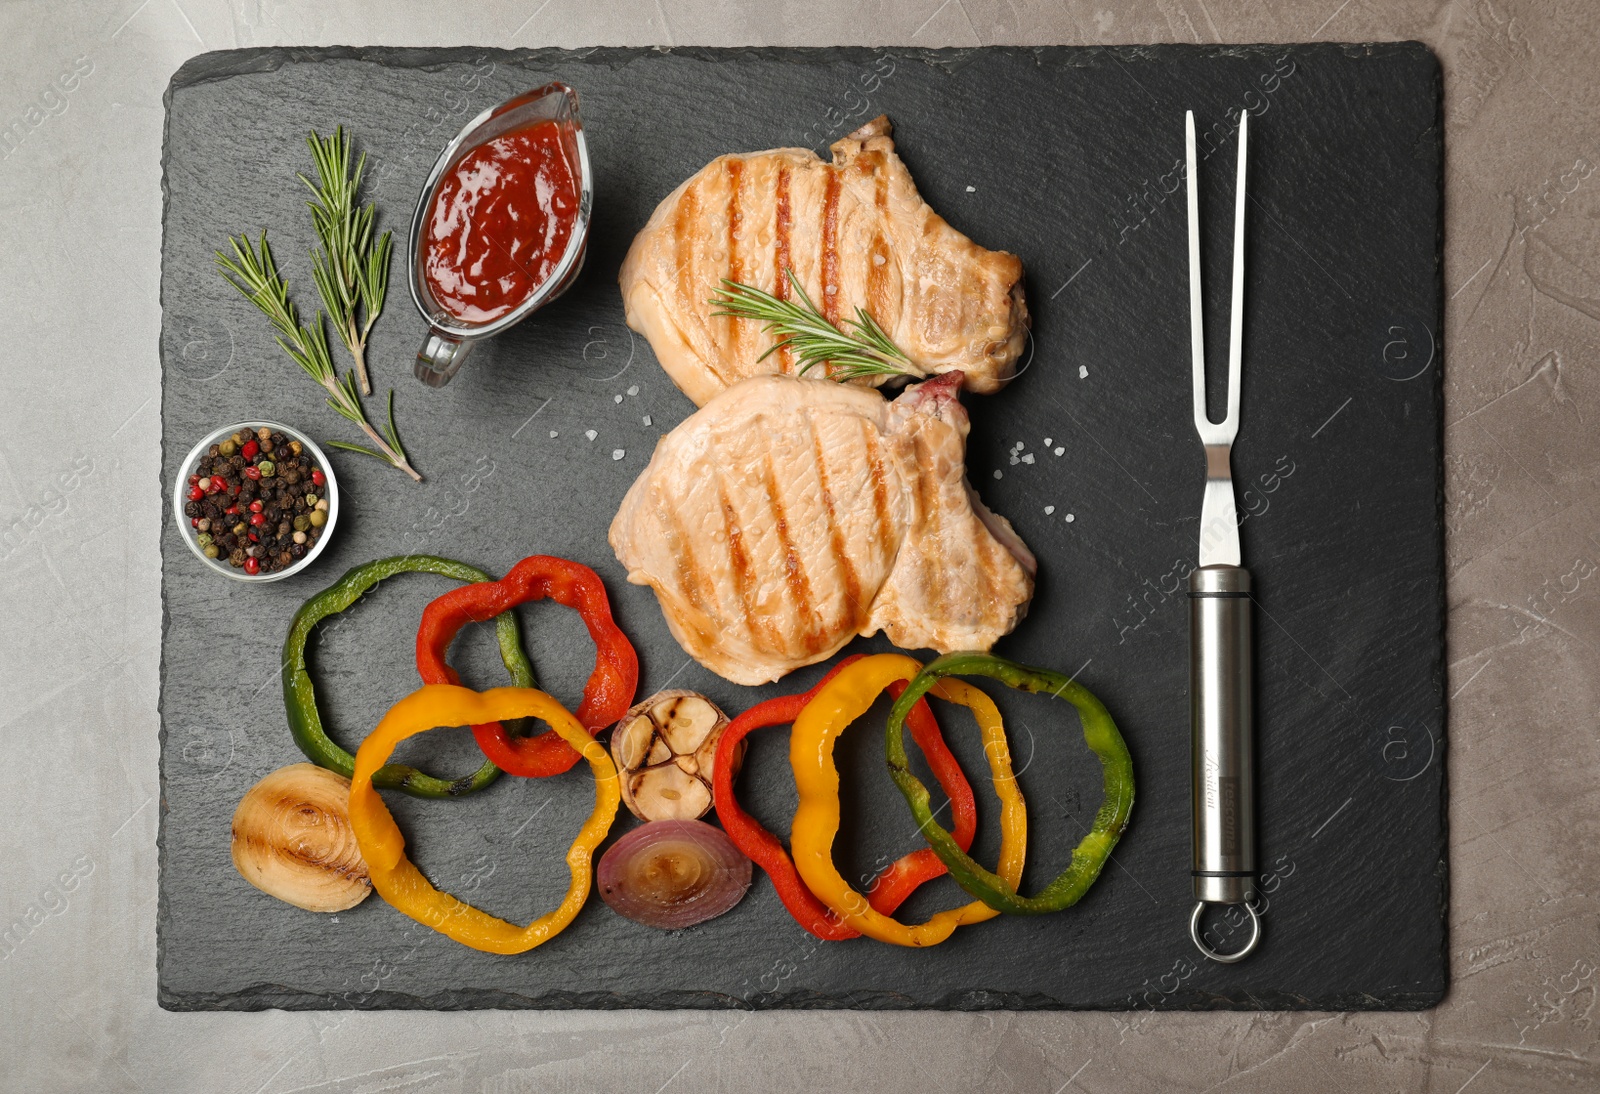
{"x":256,"y":500}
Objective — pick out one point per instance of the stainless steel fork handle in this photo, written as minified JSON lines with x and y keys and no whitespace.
{"x":1222,"y":745}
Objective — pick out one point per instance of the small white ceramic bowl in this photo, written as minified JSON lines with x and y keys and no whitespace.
{"x":180,"y":496}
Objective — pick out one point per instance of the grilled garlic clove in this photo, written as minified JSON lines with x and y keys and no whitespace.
{"x":292,"y":839}
{"x":666,"y":793}
{"x":631,"y":741}
{"x":666,"y":748}
{"x":686,"y":721}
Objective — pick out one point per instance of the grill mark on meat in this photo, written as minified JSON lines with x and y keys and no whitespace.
{"x":841,"y":557}
{"x":831,"y":293}
{"x":780,"y":281}
{"x":926,"y":486}
{"x":692,"y":580}
{"x":683,"y":232}
{"x":682,"y":551}
{"x":683,"y":229}
{"x":878,"y":255}
{"x":763,"y":635}
{"x":742,"y":575}
{"x":880,"y":484}
{"x":735,"y":225}
{"x":794,"y":573}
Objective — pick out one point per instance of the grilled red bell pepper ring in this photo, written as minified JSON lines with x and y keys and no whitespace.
{"x":606,"y":697}
{"x":901,"y":878}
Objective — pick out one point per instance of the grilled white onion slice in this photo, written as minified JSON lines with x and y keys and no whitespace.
{"x":665,"y":749}
{"x":292,"y":839}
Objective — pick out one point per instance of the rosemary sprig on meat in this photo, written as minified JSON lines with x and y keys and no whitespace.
{"x":863,"y":349}
{"x":351,"y":272}
{"x":255,"y":274}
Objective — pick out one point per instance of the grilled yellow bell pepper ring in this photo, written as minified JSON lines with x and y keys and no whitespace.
{"x":384,"y":848}
{"x":816,"y":821}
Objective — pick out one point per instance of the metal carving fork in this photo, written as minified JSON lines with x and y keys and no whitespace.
{"x":1220,"y":686}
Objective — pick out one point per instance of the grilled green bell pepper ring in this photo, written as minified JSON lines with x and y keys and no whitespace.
{"x":300,"y":699}
{"x":1099,"y":731}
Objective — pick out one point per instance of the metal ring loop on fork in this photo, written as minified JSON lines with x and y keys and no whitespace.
{"x":1225,"y":958}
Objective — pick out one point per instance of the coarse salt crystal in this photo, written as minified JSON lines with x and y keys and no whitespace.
{"x":998,"y":475}
{"x":1083,"y":372}
{"x":591,"y":434}
{"x":1015,"y":460}
{"x":1047,"y":442}
{"x":972,"y":189}
{"x":1071,"y":518}
{"x":634,"y":390}
{"x":616,"y":398}
{"x":554,"y":434}
{"x":647,"y":419}
{"x":1028,"y":458}
{"x":1059,"y":450}
{"x":1048,"y":509}
{"x":617,"y":453}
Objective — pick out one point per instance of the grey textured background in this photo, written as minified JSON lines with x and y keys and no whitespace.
{"x":1349,"y":581}
{"x":79,"y":694}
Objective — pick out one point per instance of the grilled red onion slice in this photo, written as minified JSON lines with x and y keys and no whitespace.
{"x":673,"y":873}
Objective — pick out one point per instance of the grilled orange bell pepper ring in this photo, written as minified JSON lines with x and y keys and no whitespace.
{"x":839,"y":702}
{"x":384,"y":848}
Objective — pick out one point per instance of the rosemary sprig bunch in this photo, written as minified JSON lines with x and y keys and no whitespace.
{"x":255,"y":274}
{"x":352,"y":274}
{"x":865,"y":350}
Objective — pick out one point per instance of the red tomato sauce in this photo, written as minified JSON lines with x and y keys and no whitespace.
{"x":500,"y":223}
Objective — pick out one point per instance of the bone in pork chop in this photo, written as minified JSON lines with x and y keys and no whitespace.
{"x":790,"y":515}
{"x":855,"y":232}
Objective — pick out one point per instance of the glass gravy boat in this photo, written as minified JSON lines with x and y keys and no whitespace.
{"x":450,"y":338}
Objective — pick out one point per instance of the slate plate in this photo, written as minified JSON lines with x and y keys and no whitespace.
{"x":1070,"y":158}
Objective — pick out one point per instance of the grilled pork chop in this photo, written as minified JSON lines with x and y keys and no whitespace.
{"x":855,"y":232}
{"x":790,"y":515}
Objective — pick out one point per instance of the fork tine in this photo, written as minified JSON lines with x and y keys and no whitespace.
{"x":1197,"y":338}
{"x":1236,"y":323}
